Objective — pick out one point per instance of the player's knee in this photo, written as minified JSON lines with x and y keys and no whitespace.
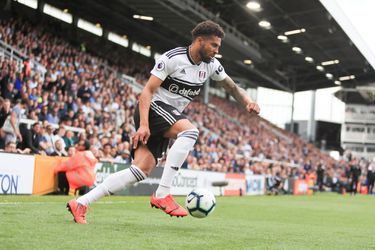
{"x":144,"y":160}
{"x":146,"y":171}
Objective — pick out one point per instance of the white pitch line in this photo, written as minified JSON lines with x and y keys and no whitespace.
{"x":55,"y":202}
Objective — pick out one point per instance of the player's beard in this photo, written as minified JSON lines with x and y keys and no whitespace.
{"x":205,"y":58}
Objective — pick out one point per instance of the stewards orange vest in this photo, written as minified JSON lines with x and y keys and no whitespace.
{"x":79,"y":168}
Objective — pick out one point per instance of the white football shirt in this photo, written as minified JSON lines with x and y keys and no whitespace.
{"x":182,"y":78}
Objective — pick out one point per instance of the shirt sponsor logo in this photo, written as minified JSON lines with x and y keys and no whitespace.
{"x":189,"y":93}
{"x":219,"y":70}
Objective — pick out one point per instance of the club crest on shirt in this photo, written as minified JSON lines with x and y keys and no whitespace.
{"x":160,"y":66}
{"x":202,"y":75}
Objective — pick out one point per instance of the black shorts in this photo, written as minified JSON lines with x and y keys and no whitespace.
{"x":161,"y":117}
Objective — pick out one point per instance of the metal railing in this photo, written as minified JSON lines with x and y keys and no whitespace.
{"x":7,"y":51}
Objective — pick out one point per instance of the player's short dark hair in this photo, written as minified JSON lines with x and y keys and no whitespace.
{"x":207,"y":28}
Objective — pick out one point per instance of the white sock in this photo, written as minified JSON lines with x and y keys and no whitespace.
{"x":176,"y":156}
{"x":112,"y":184}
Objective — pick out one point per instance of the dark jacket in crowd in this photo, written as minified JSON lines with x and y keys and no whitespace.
{"x":32,"y":141}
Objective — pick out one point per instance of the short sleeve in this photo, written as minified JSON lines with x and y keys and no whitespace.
{"x":162,"y":67}
{"x":218,"y":72}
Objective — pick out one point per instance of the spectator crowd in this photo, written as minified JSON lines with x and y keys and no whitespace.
{"x":77,"y":100}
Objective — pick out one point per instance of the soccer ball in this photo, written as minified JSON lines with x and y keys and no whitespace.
{"x":200,"y":203}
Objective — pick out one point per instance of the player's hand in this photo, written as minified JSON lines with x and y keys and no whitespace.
{"x":253,"y":107}
{"x":142,"y":135}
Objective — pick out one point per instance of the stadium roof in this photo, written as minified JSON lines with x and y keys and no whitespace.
{"x":274,"y":63}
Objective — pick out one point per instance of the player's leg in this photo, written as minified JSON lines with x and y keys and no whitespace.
{"x":142,"y":165}
{"x":186,"y":135}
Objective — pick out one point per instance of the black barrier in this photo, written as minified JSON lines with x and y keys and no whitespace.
{"x":146,"y":187}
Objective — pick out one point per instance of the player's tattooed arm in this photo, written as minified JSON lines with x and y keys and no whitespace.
{"x":239,"y":94}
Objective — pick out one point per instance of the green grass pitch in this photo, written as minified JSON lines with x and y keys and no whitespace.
{"x":322,"y":221}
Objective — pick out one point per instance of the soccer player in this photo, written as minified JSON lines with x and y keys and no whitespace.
{"x":177,"y":77}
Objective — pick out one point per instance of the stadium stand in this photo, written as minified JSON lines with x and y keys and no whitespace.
{"x":83,"y":100}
